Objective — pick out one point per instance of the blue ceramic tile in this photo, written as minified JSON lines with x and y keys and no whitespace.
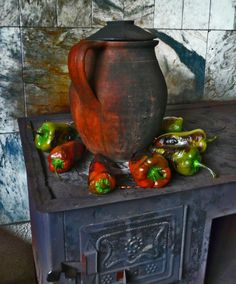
{"x":13,"y":186}
{"x":10,"y":13}
{"x":11,"y":83}
{"x":181,"y":55}
{"x":220,"y":78}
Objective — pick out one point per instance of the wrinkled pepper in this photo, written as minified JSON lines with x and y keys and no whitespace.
{"x":194,"y":138}
{"x":51,"y":134}
{"x":64,"y":156}
{"x":185,"y":160}
{"x":100,"y":179}
{"x":172,"y":124}
{"x":150,"y":171}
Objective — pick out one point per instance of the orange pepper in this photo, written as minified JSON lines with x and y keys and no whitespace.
{"x":150,"y":171}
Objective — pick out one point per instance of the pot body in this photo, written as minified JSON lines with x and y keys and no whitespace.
{"x":117,"y":95}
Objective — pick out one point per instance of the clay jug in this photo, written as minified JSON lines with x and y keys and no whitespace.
{"x":118,"y":94}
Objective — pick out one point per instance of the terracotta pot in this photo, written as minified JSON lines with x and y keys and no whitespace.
{"x":118,"y":93}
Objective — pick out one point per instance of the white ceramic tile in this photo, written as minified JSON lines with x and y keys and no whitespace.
{"x":181,"y":55}
{"x":74,"y":13}
{"x":196,"y":14}
{"x":9,"y":13}
{"x":222,"y":14}
{"x":141,"y":11}
{"x":104,"y":11}
{"x":220,"y":78}
{"x":35,"y":13}
{"x":168,"y":14}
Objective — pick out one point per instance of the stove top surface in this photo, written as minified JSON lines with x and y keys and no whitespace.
{"x":70,"y":191}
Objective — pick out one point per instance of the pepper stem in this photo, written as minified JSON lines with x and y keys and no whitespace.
{"x":209,"y":140}
{"x":38,"y":133}
{"x":155,"y":173}
{"x":57,"y":164}
{"x":200,"y":165}
{"x":56,"y":173}
{"x":103,"y":185}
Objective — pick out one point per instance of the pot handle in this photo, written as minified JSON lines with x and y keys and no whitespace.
{"x":76,"y":65}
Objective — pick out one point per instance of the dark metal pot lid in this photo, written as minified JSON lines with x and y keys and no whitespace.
{"x":121,"y":31}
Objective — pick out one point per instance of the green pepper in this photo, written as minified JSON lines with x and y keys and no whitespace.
{"x":172,"y":124}
{"x":194,"y":138}
{"x":51,"y":134}
{"x":185,"y":160}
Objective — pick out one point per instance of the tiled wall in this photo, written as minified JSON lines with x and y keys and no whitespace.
{"x":196,"y":52}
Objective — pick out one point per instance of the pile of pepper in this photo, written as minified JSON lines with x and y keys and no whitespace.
{"x":181,"y":149}
{"x":64,"y":149}
{"x":174,"y":149}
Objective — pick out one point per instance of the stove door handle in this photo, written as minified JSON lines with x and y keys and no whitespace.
{"x":70,"y":269}
{"x":53,"y":276}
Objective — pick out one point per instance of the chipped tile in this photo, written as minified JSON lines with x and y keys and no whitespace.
{"x":181,"y":55}
{"x":141,"y":11}
{"x":168,"y":14}
{"x":38,"y":13}
{"x":107,"y":10}
{"x":222,"y":15}
{"x":220,"y":79}
{"x":11,"y":84}
{"x":10,"y":14}
{"x":46,"y":77}
{"x":13,"y":185}
{"x":73,"y":13}
{"x":196,"y":14}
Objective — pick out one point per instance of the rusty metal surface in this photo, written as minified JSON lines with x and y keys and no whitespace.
{"x":70,"y":192}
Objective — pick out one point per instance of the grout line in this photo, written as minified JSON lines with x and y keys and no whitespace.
{"x":234,"y":27}
{"x":153,"y":19}
{"x":91,"y":21}
{"x":209,"y":18}
{"x":22,"y":58}
{"x":57,"y":14}
{"x":206,"y":56}
{"x":9,"y":132}
{"x":182,"y":19}
{"x":22,"y":70}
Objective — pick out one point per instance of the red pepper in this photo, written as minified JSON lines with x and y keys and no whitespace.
{"x":150,"y":171}
{"x":100,"y":180}
{"x":64,"y":156}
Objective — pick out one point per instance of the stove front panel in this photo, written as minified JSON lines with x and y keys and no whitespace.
{"x":141,"y":249}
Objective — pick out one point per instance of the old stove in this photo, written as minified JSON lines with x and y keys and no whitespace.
{"x":131,"y":235}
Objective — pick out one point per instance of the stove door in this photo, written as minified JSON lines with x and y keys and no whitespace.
{"x":143,"y":249}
